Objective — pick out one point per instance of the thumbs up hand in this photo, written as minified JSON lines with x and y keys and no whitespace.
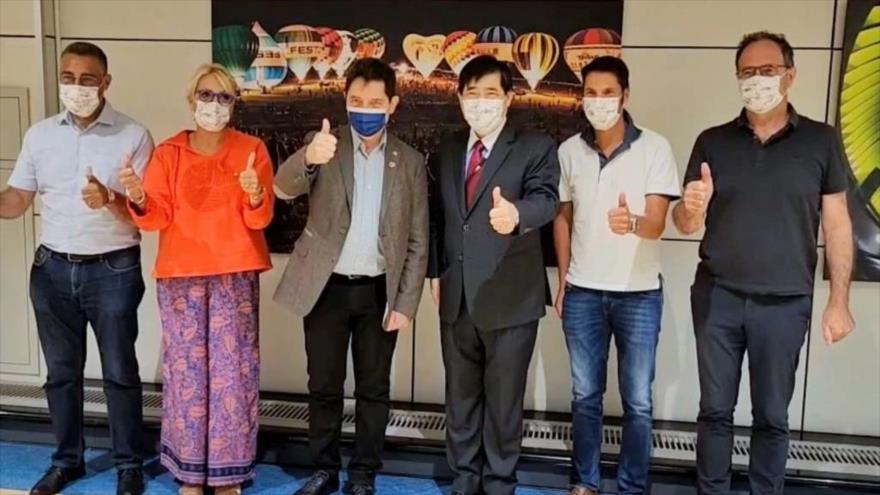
{"x":248,"y":179}
{"x":503,"y":216}
{"x":620,"y":218}
{"x":94,"y":194}
{"x":134,"y":187}
{"x":323,"y":146}
{"x":698,"y":193}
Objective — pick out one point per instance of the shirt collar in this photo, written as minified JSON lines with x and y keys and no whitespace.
{"x":359,"y":141}
{"x":106,"y":117}
{"x":742,"y":121}
{"x":630,"y":134}
{"x":488,"y":140}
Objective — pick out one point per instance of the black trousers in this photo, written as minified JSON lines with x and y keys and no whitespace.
{"x":67,"y":296}
{"x":486,"y":374}
{"x":771,"y":330}
{"x":349,"y":309}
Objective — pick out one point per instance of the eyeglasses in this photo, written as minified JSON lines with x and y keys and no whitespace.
{"x":764,"y":70}
{"x":207,"y":96}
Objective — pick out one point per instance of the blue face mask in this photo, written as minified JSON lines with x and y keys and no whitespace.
{"x":367,"y":122}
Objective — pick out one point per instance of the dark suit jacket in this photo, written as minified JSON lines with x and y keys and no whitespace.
{"x":502,"y":276}
{"x":403,"y":224}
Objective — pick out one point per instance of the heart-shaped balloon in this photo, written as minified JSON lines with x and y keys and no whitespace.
{"x":424,"y":52}
{"x":458,"y":49}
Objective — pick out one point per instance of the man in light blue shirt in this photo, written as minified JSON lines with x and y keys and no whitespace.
{"x":87,"y":268}
{"x":360,"y":251}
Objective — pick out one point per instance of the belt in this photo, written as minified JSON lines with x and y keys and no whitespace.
{"x":338,"y":278}
{"x":84,"y":258}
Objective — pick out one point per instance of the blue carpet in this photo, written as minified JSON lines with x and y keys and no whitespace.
{"x":21,"y":465}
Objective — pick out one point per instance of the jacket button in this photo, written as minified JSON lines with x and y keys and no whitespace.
{"x":466,"y":227}
{"x":460,"y":257}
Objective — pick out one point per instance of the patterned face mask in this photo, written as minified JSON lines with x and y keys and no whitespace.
{"x":760,"y":94}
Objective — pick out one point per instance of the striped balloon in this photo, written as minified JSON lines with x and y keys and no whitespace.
{"x":535,"y":54}
{"x":585,"y":45}
{"x":496,"y":41}
{"x":458,"y":49}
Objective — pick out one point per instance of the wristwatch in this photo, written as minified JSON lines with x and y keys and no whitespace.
{"x":633,"y":224}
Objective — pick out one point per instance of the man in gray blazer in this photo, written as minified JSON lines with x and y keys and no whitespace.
{"x":357,"y":271}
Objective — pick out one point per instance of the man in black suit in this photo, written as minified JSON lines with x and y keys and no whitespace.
{"x":494,"y":186}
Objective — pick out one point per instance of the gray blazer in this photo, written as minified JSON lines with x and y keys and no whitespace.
{"x":403,"y":223}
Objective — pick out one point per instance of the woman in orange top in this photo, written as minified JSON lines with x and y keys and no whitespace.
{"x":209,"y":194}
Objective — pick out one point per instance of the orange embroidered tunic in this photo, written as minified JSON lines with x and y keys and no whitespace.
{"x":205,"y":221}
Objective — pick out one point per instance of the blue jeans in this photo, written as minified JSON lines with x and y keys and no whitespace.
{"x":68,"y":295}
{"x":589,"y":319}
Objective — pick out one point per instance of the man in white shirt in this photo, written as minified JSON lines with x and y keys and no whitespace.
{"x":616,"y":183}
{"x":87,"y":269}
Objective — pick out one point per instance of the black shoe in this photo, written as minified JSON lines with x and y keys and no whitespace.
{"x":130,"y":482}
{"x":57,"y":478}
{"x":321,"y":483}
{"x":359,"y":489}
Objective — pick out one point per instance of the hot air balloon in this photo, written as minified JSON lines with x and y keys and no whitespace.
{"x":535,"y":54}
{"x":348,"y":53}
{"x":424,"y":52}
{"x":332,"y":48}
{"x":585,"y":45}
{"x":234,"y":47}
{"x":496,"y":41}
{"x":269,"y":68}
{"x":301,"y":46}
{"x":371,"y":44}
{"x":458,"y":49}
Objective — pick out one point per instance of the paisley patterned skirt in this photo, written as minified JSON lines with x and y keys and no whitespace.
{"x":211,"y":375}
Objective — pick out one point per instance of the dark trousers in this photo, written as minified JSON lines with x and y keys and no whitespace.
{"x":486,"y":375}
{"x":68,"y":295}
{"x":349,"y":309}
{"x":771,"y":330}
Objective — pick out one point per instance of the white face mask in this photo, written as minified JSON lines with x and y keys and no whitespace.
{"x":484,"y":115}
{"x":602,"y":112}
{"x":81,"y":101}
{"x":760,"y":94}
{"x":211,"y":116}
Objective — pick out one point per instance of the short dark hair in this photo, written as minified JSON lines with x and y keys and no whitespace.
{"x":86,"y":49}
{"x":372,"y":69}
{"x":779,"y":39}
{"x":611,"y":65}
{"x":482,"y":66}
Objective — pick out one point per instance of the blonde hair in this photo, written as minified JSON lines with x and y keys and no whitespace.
{"x":218,"y":71}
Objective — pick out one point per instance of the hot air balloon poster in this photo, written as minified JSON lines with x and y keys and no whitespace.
{"x":290,"y":60}
{"x":858,"y":119}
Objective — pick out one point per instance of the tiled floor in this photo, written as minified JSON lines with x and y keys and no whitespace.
{"x":21,"y":465}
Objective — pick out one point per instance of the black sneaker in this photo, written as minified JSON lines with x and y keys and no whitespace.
{"x":321,"y":483}
{"x":130,"y":482}
{"x":56,"y":478}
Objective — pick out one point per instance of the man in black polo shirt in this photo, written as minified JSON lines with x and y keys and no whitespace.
{"x":760,"y":184}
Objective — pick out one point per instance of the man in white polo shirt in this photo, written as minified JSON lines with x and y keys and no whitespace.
{"x":616,"y":183}
{"x":87,"y":270}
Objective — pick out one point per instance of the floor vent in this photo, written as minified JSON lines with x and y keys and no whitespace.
{"x":669,"y":445}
